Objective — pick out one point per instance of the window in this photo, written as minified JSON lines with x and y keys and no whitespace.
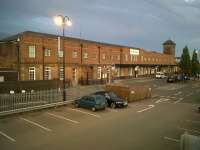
{"x":142,"y":58}
{"x":133,"y":58}
{"x":61,"y":73}
{"x":47,"y":73}
{"x":31,"y":73}
{"x":118,"y":57}
{"x":47,"y":52}
{"x":126,"y":57}
{"x":60,"y":53}
{"x":104,"y":56}
{"x":74,"y":71}
{"x":31,"y":51}
{"x":74,"y":54}
{"x":99,"y":73}
{"x":85,"y":55}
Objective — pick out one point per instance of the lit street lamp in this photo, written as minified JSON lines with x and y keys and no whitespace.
{"x":63,"y":21}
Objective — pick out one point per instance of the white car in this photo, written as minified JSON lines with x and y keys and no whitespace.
{"x":160,"y":75}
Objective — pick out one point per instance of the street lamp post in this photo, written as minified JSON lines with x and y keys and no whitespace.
{"x":62,"y":21}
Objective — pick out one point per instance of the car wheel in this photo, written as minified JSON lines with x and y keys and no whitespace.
{"x":76,"y":105}
{"x":113,"y":105}
{"x":93,"y":109}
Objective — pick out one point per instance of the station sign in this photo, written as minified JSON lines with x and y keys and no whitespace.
{"x":134,"y":52}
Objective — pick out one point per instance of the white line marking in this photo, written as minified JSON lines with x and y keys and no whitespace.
{"x":8,"y":137}
{"x":171,"y":139}
{"x":189,"y":94}
{"x":85,"y":113}
{"x":162,"y":100}
{"x":198,"y":122}
{"x":62,"y":117}
{"x":176,"y":94}
{"x":179,"y":100}
{"x":111,"y":110}
{"x":194,"y":131}
{"x":36,"y":124}
{"x":149,"y":107}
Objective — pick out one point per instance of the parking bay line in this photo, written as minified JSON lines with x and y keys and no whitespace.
{"x":8,"y":137}
{"x":149,"y":107}
{"x":171,"y":139}
{"x":36,"y":124}
{"x":87,"y":113}
{"x":63,"y":118}
{"x":189,"y":130}
{"x":179,"y":100}
{"x":176,"y":94}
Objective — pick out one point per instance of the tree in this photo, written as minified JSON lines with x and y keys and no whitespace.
{"x":194,"y":63}
{"x":185,"y":62}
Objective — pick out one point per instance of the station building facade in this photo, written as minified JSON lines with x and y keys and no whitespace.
{"x":39,"y":56}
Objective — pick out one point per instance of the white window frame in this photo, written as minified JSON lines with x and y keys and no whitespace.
{"x":74,"y":54}
{"x":61,"y":73}
{"x":126,"y":57}
{"x":47,"y":73}
{"x":99,"y":73}
{"x":31,"y":51}
{"x":74,"y":74}
{"x":30,"y":71}
{"x":85,"y":55}
{"x":104,"y":56}
{"x":47,"y":52}
{"x":60,"y":53}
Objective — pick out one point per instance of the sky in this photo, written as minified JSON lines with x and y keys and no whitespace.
{"x":138,"y":23}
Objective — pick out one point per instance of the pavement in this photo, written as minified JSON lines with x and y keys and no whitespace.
{"x":152,"y":124}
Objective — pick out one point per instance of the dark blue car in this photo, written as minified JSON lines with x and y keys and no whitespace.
{"x":93,"y":102}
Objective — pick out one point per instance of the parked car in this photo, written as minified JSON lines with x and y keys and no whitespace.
{"x":171,"y":78}
{"x":160,"y":75}
{"x":93,"y":102}
{"x":113,"y":100}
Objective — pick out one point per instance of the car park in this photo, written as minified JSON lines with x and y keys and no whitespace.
{"x":93,"y":102}
{"x":160,"y":75}
{"x":113,"y":100}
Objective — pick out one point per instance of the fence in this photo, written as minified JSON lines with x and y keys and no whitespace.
{"x":26,"y":101}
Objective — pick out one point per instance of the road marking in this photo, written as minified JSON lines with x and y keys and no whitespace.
{"x":198,"y":122}
{"x":87,"y":113}
{"x":162,"y":100}
{"x":171,"y":139}
{"x":36,"y":124}
{"x":8,"y":137}
{"x":64,"y":118}
{"x":189,"y":94}
{"x":111,"y":110}
{"x":194,"y":131}
{"x":176,"y":94}
{"x":149,"y":107}
{"x":179,"y":100}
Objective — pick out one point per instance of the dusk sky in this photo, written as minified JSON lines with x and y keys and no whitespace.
{"x":138,"y":23}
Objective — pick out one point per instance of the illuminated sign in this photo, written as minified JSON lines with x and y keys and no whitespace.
{"x":134,"y":52}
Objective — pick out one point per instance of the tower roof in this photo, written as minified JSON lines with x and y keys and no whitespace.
{"x":169,"y":42}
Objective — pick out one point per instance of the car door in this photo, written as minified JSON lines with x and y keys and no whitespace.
{"x":91,"y":102}
{"x":83,"y":101}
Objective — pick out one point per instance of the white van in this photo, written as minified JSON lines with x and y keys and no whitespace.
{"x":160,"y":75}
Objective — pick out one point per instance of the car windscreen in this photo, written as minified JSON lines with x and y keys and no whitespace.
{"x":99,"y":99}
{"x":113,"y":95}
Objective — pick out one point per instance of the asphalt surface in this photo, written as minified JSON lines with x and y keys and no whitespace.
{"x":151,"y":124}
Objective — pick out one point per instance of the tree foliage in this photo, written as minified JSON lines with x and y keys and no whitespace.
{"x":185,"y":62}
{"x":194,"y":63}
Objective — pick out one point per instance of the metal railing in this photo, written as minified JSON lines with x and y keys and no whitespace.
{"x":27,"y":101}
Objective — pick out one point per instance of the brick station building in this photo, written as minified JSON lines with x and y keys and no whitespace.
{"x":38,"y":56}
